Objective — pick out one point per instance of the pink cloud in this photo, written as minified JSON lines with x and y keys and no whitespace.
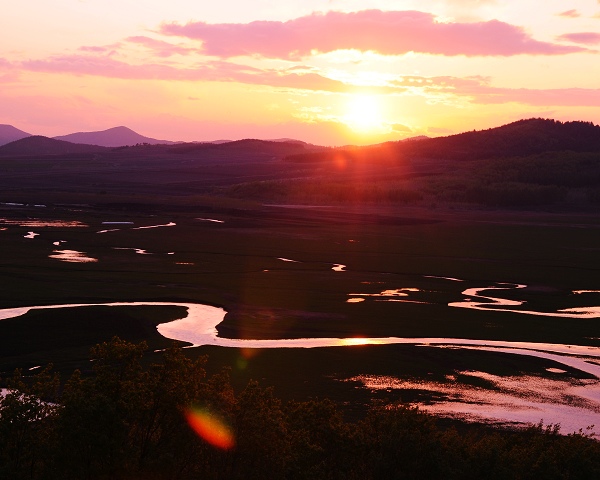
{"x":585,"y":38}
{"x":160,"y":48}
{"x":480,"y":91}
{"x":390,"y":33}
{"x":477,"y":88}
{"x":220,"y":71}
{"x":96,"y":49}
{"x":570,"y":14}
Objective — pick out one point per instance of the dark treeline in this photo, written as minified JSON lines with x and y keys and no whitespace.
{"x":521,"y":138}
{"x":128,"y":421}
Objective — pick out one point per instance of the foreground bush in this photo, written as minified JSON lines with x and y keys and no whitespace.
{"x":171,"y":421}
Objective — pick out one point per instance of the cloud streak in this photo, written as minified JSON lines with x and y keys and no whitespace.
{"x":584,"y":38}
{"x":214,"y":71}
{"x":570,"y":14}
{"x":479,"y":90}
{"x":476,"y":89}
{"x":385,"y":32}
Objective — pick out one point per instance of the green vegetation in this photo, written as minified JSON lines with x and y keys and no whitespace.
{"x":127,"y":421}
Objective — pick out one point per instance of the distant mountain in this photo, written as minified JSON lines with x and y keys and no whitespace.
{"x":113,"y":137}
{"x":8,"y":134}
{"x":38,"y":145}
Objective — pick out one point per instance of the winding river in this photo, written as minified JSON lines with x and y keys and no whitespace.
{"x":198,"y":327}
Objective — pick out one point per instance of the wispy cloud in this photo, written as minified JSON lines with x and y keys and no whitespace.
{"x":160,"y":48}
{"x":479,"y":90}
{"x":221,"y":71}
{"x":385,"y":32}
{"x":584,"y":38}
{"x":475,"y":89}
{"x":570,"y":14}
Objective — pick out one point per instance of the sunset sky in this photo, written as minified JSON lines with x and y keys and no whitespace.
{"x":329,"y":72}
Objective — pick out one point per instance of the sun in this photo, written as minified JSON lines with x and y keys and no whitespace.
{"x":363,"y":114}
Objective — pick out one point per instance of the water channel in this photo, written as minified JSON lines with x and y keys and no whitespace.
{"x":519,"y":399}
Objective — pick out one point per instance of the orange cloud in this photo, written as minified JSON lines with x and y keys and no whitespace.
{"x":386,"y":32}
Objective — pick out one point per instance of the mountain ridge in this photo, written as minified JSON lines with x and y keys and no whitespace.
{"x":112,"y":137}
{"x":9,"y":134}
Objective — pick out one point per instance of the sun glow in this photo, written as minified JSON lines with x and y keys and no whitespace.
{"x":363,"y":114}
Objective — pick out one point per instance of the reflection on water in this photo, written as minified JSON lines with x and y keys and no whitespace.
{"x":14,"y":204}
{"x":491,"y":304}
{"x":37,"y":223}
{"x":214,"y":220}
{"x":452,"y":279}
{"x":347,"y":342}
{"x":170,"y":224}
{"x":338,"y":267}
{"x":388,"y":295}
{"x":31,"y":235}
{"x":139,"y":251}
{"x":72,"y":256}
{"x":518,"y":399}
{"x":523,"y":399}
{"x":287,"y":260}
{"x":397,"y":292}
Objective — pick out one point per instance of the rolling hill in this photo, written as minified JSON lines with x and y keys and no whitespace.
{"x":39,"y":145}
{"x":521,"y":138}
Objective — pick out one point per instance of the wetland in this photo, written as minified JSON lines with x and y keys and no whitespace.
{"x":473,"y":312}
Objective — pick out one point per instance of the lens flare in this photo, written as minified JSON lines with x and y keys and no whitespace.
{"x":210,"y":428}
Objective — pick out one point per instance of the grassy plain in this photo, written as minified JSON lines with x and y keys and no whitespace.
{"x":394,"y":226}
{"x":238,"y":265}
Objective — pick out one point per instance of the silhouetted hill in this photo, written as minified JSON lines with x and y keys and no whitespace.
{"x":113,"y":137}
{"x":245,"y":147}
{"x":521,"y":138}
{"x":38,"y":145}
{"x":524,"y":137}
{"x":8,"y":134}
